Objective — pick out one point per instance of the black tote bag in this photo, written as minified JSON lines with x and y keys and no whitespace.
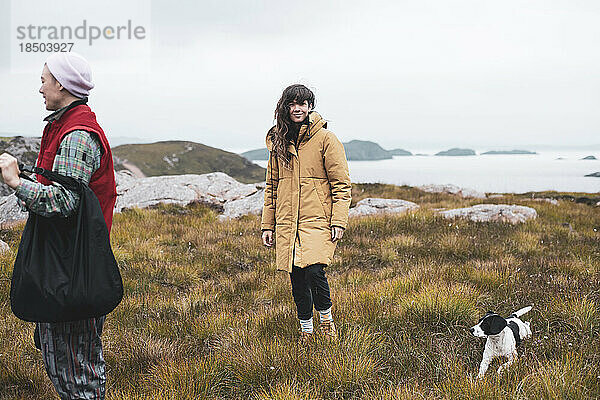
{"x":65,"y":269}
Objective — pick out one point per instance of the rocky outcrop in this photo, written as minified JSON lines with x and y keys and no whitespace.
{"x":493,"y":213}
{"x":453,"y":189}
{"x":10,"y":211}
{"x":371,"y":206}
{"x":594,"y":175}
{"x":213,"y":188}
{"x":24,"y":149}
{"x":589,"y":158}
{"x":546,"y":200}
{"x":252,"y":204}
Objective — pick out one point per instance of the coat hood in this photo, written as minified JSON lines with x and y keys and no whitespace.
{"x":315,"y":123}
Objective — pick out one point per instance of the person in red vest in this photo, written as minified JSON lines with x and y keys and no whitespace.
{"x":73,"y":144}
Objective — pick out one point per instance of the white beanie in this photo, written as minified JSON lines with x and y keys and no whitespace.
{"x":72,"y":71}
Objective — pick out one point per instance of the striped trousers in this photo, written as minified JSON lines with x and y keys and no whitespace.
{"x":72,"y":354}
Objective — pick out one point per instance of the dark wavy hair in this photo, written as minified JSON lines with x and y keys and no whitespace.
{"x":279,"y":133}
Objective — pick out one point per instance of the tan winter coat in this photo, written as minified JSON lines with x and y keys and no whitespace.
{"x":304,"y":201}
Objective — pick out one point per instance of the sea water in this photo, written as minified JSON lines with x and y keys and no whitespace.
{"x":553,"y":170}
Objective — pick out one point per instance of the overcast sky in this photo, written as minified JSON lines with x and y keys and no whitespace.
{"x":411,"y":74}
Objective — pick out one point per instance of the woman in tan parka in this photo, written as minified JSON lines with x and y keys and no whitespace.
{"x":307,"y":198}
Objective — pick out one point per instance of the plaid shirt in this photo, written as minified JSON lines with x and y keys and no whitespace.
{"x":78,"y":156}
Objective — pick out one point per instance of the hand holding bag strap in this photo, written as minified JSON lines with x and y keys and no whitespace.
{"x":68,"y":182}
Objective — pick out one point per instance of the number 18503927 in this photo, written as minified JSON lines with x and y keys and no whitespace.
{"x":45,"y":47}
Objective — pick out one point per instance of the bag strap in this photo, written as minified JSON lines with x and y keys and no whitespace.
{"x":68,"y":182}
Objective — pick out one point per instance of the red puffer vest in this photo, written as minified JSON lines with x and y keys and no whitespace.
{"x":102,"y":183}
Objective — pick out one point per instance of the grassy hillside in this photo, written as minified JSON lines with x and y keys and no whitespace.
{"x":178,"y":157}
{"x":206,"y":315}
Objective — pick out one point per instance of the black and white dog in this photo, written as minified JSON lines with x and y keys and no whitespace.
{"x":503,"y":336}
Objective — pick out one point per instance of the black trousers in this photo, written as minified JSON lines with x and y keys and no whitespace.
{"x":310,"y":287}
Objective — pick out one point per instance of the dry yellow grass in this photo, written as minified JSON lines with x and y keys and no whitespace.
{"x":205,"y":314}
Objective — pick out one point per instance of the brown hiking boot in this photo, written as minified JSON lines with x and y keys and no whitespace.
{"x":305,"y":338}
{"x":328,"y":329}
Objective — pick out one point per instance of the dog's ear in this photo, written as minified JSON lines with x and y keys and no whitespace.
{"x":487,"y":314}
{"x":496,"y":324}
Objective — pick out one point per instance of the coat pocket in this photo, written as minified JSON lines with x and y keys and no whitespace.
{"x":322,"y":199}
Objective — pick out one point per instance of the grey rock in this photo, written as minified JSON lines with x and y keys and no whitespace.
{"x":370,"y":206}
{"x":493,"y":213}
{"x":24,"y":149}
{"x":589,"y":158}
{"x":252,"y":204}
{"x":547,"y":200}
{"x":594,"y":175}
{"x":10,"y":211}
{"x":453,"y":189}
{"x":215,"y":188}
{"x":4,"y":247}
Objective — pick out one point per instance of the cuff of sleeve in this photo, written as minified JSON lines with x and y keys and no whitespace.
{"x":340,"y":224}
{"x":25,"y":190}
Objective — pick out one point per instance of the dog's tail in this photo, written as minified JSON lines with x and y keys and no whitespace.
{"x":522,"y":311}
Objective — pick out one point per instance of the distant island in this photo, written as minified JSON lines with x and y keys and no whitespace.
{"x":258,"y":154}
{"x":400,"y":152}
{"x":356,"y":150}
{"x":457,"y":152}
{"x":594,"y":175}
{"x":361,"y":150}
{"x":589,"y":158}
{"x":497,"y":152}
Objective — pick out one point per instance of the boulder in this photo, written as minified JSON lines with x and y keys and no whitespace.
{"x":3,"y":247}
{"x":589,"y":158}
{"x":453,"y":189}
{"x":547,"y":200}
{"x":370,"y":206}
{"x":252,"y":204}
{"x":493,"y":213}
{"x":24,"y":149}
{"x":213,"y":188}
{"x":10,"y":211}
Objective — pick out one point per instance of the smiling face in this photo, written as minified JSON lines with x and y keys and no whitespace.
{"x":52,"y":91}
{"x":298,"y":111}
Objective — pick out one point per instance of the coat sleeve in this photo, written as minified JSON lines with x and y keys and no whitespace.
{"x":272,"y":181}
{"x":336,"y":166}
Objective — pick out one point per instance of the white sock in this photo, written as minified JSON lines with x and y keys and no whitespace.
{"x":306,"y":325}
{"x":326,"y":315}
